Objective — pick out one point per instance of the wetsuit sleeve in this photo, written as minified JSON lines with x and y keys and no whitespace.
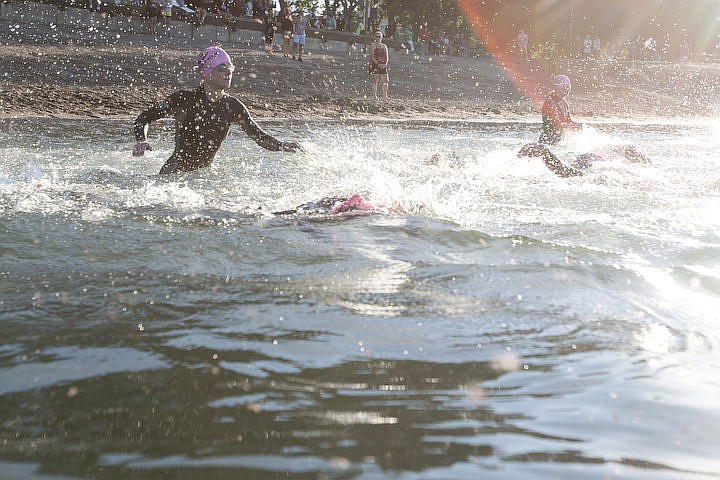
{"x":253,"y":130}
{"x":551,"y":113}
{"x":165,"y":109}
{"x":561,"y":114}
{"x":558,"y":168}
{"x":569,"y":122}
{"x":550,"y":123}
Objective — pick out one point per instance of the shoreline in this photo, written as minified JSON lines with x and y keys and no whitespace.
{"x":51,"y":74}
{"x":498,"y":119}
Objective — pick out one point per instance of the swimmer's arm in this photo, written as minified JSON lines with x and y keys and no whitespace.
{"x":572,"y":124}
{"x":559,"y":168}
{"x":262,"y":138}
{"x":372,"y":57}
{"x":569,"y":122}
{"x":551,"y":114}
{"x":148,"y":116}
{"x":141,"y":129}
{"x":142,"y":122}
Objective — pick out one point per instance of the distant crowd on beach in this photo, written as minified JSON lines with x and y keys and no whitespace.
{"x":591,"y":46}
{"x":399,"y":31}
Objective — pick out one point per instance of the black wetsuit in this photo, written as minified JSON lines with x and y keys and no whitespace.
{"x":582,"y":163}
{"x":559,"y":168}
{"x":552,"y":162}
{"x":556,"y":118}
{"x":200,"y":127}
{"x":318,"y":207}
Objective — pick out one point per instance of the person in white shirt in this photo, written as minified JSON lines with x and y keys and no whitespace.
{"x":299,"y":27}
{"x":522,"y":40}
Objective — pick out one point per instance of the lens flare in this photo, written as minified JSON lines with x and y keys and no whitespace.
{"x":528,"y":81}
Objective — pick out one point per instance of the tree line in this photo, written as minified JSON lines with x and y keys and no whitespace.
{"x":559,"y":22}
{"x":434,"y":15}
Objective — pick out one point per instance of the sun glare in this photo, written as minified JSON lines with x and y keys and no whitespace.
{"x":558,"y":27}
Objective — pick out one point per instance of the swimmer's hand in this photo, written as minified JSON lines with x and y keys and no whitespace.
{"x":140,"y":147}
{"x":292,"y":147}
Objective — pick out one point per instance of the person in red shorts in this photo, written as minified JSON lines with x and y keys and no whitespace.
{"x":378,"y":65}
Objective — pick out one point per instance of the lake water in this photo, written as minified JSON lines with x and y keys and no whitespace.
{"x":499,"y":322}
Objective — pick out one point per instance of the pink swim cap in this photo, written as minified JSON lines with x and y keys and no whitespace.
{"x":355,"y":202}
{"x":210,"y":58}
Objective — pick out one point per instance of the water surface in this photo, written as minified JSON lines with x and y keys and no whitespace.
{"x":498,"y":321}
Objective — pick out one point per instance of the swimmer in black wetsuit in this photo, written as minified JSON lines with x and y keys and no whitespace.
{"x":582,"y":162}
{"x":332,"y":206}
{"x":203,"y":117}
{"x":550,"y":160}
{"x":556,"y":113}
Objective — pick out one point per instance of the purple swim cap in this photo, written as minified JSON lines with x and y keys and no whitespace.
{"x":210,"y":58}
{"x":561,"y":81}
{"x":561,"y":85}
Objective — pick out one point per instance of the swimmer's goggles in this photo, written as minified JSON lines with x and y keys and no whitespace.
{"x":224,"y":68}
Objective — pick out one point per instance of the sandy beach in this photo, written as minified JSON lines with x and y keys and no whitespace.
{"x":56,"y":71}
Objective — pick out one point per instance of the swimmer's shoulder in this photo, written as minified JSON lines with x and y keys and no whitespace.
{"x":182,"y":97}
{"x":236,"y":105}
{"x":233,"y":101}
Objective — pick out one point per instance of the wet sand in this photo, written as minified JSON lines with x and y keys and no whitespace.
{"x":55,"y":71}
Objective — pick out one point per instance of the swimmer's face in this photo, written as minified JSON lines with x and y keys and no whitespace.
{"x":221,"y":76}
{"x":561,"y":90}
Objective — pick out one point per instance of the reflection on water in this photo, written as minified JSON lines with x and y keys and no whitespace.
{"x":509,"y":323}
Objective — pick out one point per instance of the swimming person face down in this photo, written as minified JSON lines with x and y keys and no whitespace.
{"x":203,"y":117}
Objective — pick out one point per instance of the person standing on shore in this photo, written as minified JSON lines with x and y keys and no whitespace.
{"x":269,"y":25}
{"x":522,"y":40}
{"x":153,"y":12}
{"x":556,"y":112}
{"x":378,"y":65}
{"x":166,"y":10}
{"x":299,"y":35}
{"x":286,"y":26}
{"x":203,"y":117}
{"x":201,"y":7}
{"x":330,"y":22}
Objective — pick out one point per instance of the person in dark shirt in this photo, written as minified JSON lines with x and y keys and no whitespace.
{"x":286,"y":27}
{"x":203,"y":117}
{"x":556,"y":113}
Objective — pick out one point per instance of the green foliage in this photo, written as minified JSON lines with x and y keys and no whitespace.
{"x":322,"y":6}
{"x":304,"y":5}
{"x":435,"y":15}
